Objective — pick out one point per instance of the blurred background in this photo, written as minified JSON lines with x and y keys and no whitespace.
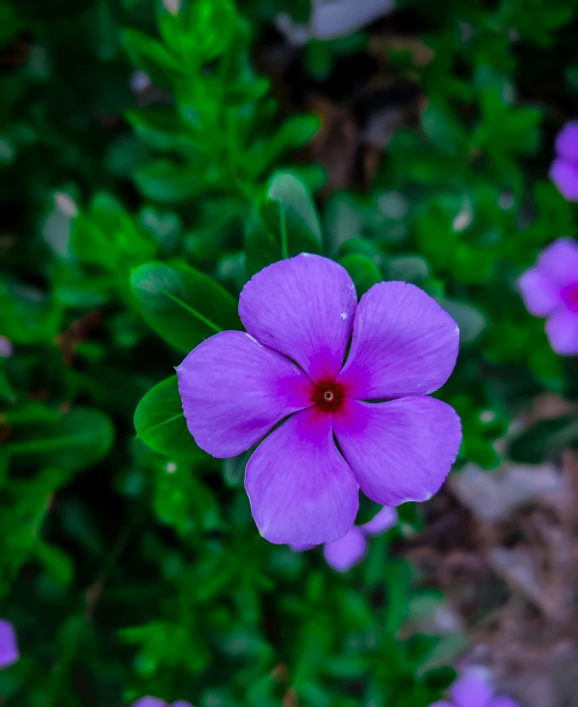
{"x":135,"y":132}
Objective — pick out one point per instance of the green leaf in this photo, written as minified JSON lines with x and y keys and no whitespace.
{"x":107,"y":236}
{"x":151,"y":56}
{"x":408,"y":268}
{"x":295,"y":132}
{"x":183,"y":305}
{"x":57,"y":563}
{"x":78,"y":440}
{"x":169,"y":182}
{"x":210,"y":26}
{"x":103,"y":32}
{"x":27,"y":314}
{"x":443,"y":129}
{"x":470,"y":320}
{"x":542,"y":440}
{"x":160,"y":422}
{"x":161,"y":130}
{"x":363,"y":270}
{"x":286,"y":224}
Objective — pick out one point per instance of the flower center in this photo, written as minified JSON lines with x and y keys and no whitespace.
{"x":570,"y":296}
{"x":328,"y":395}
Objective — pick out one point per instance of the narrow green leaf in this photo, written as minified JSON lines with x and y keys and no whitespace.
{"x":151,"y":56}
{"x":363,"y":271}
{"x":285,"y":225}
{"x":76,"y":441}
{"x":168,"y":182}
{"x":544,"y":439}
{"x":161,"y":130}
{"x":160,"y":423}
{"x":469,"y":319}
{"x":183,"y":305}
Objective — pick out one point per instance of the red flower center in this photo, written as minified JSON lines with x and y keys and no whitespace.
{"x":328,"y":395}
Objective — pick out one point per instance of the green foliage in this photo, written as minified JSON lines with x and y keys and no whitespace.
{"x":286,"y":224}
{"x":159,"y":421}
{"x":182,"y":304}
{"x":545,"y":439}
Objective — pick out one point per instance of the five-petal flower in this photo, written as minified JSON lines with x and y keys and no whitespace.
{"x":550,"y":289}
{"x":475,"y":689}
{"x":341,"y":428}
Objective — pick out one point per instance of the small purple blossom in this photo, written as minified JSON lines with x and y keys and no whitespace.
{"x":550,"y":289}
{"x":346,"y":552}
{"x":157,"y":702}
{"x":5,"y":347}
{"x":564,"y":170}
{"x":475,"y":689}
{"x":9,"y":653}
{"x":300,"y":315}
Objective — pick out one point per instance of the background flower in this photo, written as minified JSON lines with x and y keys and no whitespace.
{"x":564,"y":170}
{"x":9,"y":653}
{"x":475,"y":689}
{"x":157,"y":702}
{"x":550,"y":289}
{"x":351,"y":548}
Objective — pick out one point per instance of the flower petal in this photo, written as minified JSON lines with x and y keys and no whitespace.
{"x":559,"y":261}
{"x":540,"y":293}
{"x":347,"y":551}
{"x":182,"y":703}
{"x":442,"y":703}
{"x":503,"y":702}
{"x":150,"y":702}
{"x":562,"y":331}
{"x":9,"y":653}
{"x":403,"y":343}
{"x":401,"y":450}
{"x":302,"y":491}
{"x":384,"y":520}
{"x":564,"y":174}
{"x":473,"y":689}
{"x":304,"y":308}
{"x":567,"y":141}
{"x":234,"y":390}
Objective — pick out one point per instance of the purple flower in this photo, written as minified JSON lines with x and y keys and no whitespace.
{"x":564,"y":170}
{"x":8,"y":646}
{"x":342,"y":554}
{"x":300,"y":314}
{"x":5,"y":347}
{"x":474,"y":689}
{"x":550,"y":289}
{"x":157,"y":702}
